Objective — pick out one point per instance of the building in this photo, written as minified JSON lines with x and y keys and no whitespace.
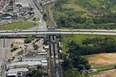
{"x":6,"y":19}
{"x":30,"y":63}
{"x":16,"y":72}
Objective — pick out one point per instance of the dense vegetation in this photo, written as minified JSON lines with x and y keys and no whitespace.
{"x":46,"y":40}
{"x":36,"y":73}
{"x":73,"y":62}
{"x":93,"y":46}
{"x":89,"y":44}
{"x":29,"y":40}
{"x":85,"y":14}
{"x":104,"y":5}
{"x":81,"y":45}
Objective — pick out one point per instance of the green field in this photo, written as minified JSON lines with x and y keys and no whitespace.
{"x":78,"y":39}
{"x":36,"y":19}
{"x":22,"y":26}
{"x":30,"y":17}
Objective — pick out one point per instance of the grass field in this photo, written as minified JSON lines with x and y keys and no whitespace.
{"x":36,"y":19}
{"x":22,"y":26}
{"x":30,"y":17}
{"x":1,"y":23}
{"x":78,"y":39}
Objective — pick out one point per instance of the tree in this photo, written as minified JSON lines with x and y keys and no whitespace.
{"x":71,"y":73}
{"x":39,"y":66}
{"x":28,"y":40}
{"x":19,"y":5}
{"x":87,"y":66}
{"x":45,"y":16}
{"x":12,"y":45}
{"x":11,"y":2}
{"x":81,"y":67}
{"x":13,"y":49}
{"x":36,"y":73}
{"x":35,"y":47}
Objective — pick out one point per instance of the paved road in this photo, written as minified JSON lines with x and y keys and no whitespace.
{"x":7,"y":49}
{"x":69,"y":30}
{"x":54,"y":33}
{"x":42,"y":22}
{"x":87,"y":30}
{"x":1,"y":51}
{"x":5,"y":55}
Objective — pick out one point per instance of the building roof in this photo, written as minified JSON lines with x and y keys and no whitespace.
{"x":23,"y":4}
{"x":30,"y":63}
{"x":43,"y":53}
{"x":44,"y":61}
{"x":12,"y":73}
{"x":18,"y":70}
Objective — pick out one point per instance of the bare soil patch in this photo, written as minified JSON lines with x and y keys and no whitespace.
{"x":110,"y":73}
{"x":104,"y":59}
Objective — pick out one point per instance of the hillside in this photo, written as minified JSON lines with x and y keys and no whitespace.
{"x":103,"y":5}
{"x":97,"y":14}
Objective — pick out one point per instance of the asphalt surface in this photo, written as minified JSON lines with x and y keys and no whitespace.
{"x":42,"y":22}
{"x":99,"y":30}
{"x":54,"y":33}
{"x":5,"y":49}
{"x":67,"y":30}
{"x":1,"y":51}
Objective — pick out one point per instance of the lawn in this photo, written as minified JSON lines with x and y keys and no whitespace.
{"x":36,"y":19}
{"x":30,"y":17}
{"x":22,"y":26}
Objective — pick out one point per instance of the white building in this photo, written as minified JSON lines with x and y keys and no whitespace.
{"x":14,"y":72}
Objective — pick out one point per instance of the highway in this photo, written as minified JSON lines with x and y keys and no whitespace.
{"x":87,"y":30}
{"x":66,"y":30}
{"x":53,"y":33}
